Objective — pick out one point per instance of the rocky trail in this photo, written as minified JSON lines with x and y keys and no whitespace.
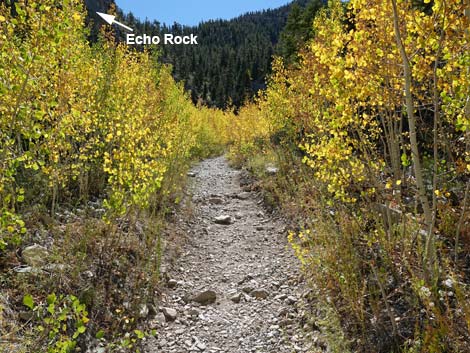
{"x":236,"y":286}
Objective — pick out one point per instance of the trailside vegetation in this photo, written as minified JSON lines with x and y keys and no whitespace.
{"x":370,"y":133}
{"x":367,"y":126}
{"x":95,"y":141}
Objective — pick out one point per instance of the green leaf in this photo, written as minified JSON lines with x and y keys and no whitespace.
{"x":28,"y":301}
{"x":140,"y":335}
{"x":62,"y":316}
{"x":100,"y":334}
{"x":404,"y":160}
{"x":51,"y":309}
{"x":51,"y":298}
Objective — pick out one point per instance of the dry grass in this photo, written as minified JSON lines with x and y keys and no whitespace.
{"x":366,"y":269}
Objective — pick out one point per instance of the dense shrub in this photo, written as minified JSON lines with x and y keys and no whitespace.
{"x":371,"y":131}
{"x":95,"y":141}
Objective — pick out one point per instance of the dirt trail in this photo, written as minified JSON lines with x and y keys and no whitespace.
{"x":247,"y":263}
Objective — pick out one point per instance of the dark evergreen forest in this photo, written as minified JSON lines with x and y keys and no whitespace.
{"x":233,"y":58}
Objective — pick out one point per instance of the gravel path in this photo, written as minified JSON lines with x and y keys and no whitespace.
{"x":235,"y":288}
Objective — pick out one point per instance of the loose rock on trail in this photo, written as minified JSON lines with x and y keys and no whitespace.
{"x":235,"y":287}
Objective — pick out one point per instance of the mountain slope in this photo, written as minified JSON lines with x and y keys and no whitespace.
{"x":233,"y":57}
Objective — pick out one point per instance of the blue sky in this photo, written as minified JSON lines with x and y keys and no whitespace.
{"x":191,"y":12}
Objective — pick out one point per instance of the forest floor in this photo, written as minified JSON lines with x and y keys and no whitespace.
{"x":235,"y":285}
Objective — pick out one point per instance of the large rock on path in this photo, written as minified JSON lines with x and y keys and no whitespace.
{"x":224,"y":220}
{"x":259,"y":294}
{"x":170,"y":314}
{"x":205,"y":298}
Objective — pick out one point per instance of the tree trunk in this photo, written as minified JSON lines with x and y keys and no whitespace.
{"x":428,"y":218}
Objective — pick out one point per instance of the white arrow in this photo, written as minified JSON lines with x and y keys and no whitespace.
{"x":111,"y":19}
